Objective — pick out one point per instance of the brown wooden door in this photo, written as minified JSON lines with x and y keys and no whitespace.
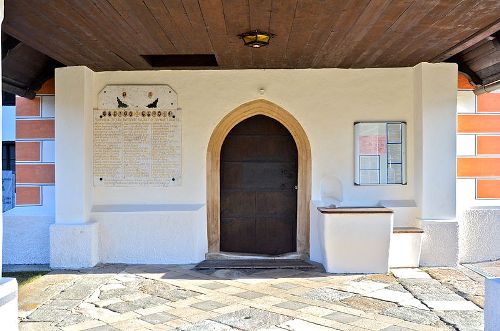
{"x":258,"y":188}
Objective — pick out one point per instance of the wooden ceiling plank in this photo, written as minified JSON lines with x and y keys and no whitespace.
{"x":473,"y":53}
{"x":83,"y":30}
{"x":364,"y":23}
{"x":155,"y":27}
{"x":282,"y":15}
{"x":347,"y":19}
{"x":491,"y":74}
{"x":145,"y":27}
{"x":114,"y":21}
{"x":197,"y":30}
{"x":175,"y":10}
{"x":237,"y":18}
{"x":306,"y":16}
{"x":423,"y":31}
{"x":476,"y":37}
{"x":376,"y":31}
{"x":64,"y":28}
{"x":323,"y":27}
{"x":179,"y":39}
{"x":23,"y":32}
{"x":485,"y":46}
{"x":213,"y":16}
{"x":485,"y":61}
{"x":40,"y":38}
{"x":398,"y":34}
{"x":448,"y":29}
{"x":119,"y":42}
{"x":260,"y":19}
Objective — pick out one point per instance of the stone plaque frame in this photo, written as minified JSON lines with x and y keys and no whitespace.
{"x":137,"y":137}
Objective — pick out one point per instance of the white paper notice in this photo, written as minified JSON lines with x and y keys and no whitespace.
{"x":394,"y":153}
{"x":393,"y":133}
{"x":369,"y":177}
{"x":369,"y":162}
{"x":394,"y":175}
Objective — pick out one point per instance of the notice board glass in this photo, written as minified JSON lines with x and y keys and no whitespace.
{"x":380,"y":153}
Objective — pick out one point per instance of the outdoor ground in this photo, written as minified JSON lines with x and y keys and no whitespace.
{"x":154,"y":297}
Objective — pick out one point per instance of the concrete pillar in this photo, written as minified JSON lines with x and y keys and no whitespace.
{"x":73,"y":237}
{"x":492,"y":305}
{"x":435,"y":99}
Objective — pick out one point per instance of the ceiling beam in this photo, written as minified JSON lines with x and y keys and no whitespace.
{"x":463,"y":67}
{"x":12,"y":87}
{"x":8,"y":43}
{"x":471,"y":41}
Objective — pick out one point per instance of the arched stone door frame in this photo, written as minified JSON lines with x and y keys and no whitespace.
{"x":247,"y":110}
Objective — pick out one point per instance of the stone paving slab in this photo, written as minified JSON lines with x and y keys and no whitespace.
{"x":175,"y":297}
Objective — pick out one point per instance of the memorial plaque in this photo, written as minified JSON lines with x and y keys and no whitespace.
{"x":139,"y":145}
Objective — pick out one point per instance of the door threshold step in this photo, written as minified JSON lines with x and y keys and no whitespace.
{"x":253,"y":256}
{"x":255,"y":264}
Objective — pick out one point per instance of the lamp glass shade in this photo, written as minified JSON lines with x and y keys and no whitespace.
{"x":256,"y":39}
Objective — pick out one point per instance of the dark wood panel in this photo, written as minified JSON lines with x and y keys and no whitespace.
{"x":276,"y":203}
{"x":258,"y":188}
{"x":238,"y":235}
{"x":258,"y":175}
{"x":256,"y":148}
{"x":237,"y":203}
{"x":275,"y":236}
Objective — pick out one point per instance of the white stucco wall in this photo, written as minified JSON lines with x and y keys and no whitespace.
{"x":479,"y":234}
{"x":326,"y":102}
{"x":26,"y":230}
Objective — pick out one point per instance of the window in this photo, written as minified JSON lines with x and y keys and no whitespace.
{"x":9,"y":155}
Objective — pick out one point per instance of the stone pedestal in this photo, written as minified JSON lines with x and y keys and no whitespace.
{"x":492,"y":305}
{"x":74,"y":246}
{"x":440,"y":243}
{"x":8,"y":304}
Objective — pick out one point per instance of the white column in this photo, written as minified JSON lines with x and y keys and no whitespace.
{"x":74,"y":239}
{"x":8,"y":286}
{"x":435,"y":99}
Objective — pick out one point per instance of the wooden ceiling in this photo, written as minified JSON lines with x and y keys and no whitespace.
{"x":114,"y":34}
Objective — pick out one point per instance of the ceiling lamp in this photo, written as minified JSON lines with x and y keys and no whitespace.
{"x":256,"y":38}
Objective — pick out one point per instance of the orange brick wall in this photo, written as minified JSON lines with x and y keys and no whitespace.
{"x":28,"y":151}
{"x":28,"y":195}
{"x":35,"y":128}
{"x":480,"y":123}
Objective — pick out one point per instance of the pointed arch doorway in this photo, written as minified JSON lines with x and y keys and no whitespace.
{"x":303,"y":176}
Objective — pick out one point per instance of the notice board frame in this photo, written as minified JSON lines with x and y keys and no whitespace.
{"x":378,"y":144}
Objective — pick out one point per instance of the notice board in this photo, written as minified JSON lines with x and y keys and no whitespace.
{"x":380,"y":153}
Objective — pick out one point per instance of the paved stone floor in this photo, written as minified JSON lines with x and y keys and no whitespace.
{"x":158,"y":297}
{"x":489,"y":269}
